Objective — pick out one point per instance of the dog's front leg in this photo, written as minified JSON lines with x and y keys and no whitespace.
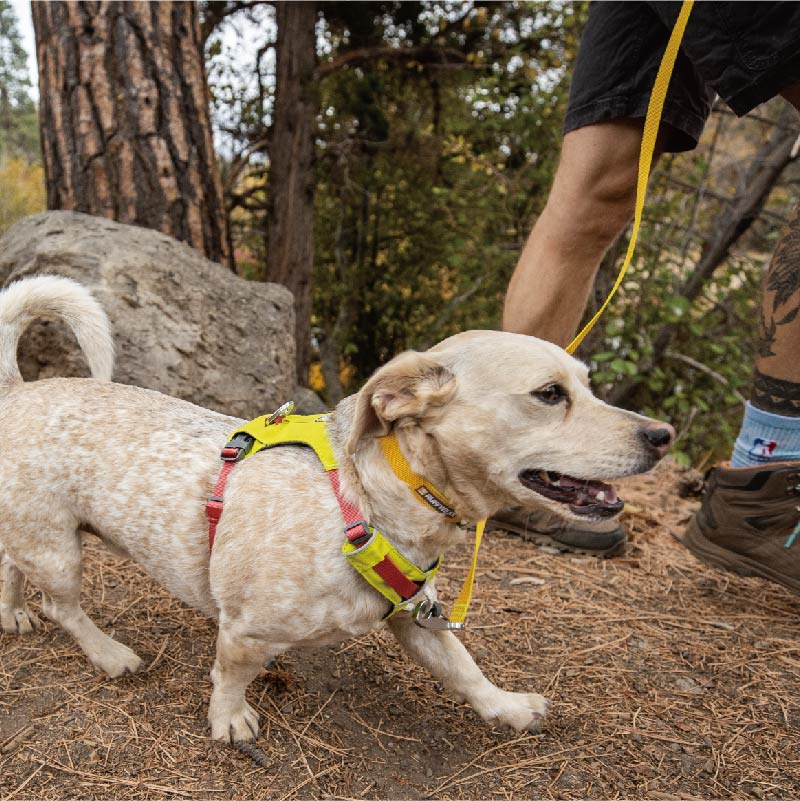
{"x":443,"y":654}
{"x":240,"y":657}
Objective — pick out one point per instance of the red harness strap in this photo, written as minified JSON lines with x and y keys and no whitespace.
{"x":355,"y":527}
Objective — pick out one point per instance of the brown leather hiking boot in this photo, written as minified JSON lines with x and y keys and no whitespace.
{"x":749,"y":522}
{"x":601,"y":538}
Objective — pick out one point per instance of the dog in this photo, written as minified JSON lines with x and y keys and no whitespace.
{"x":492,"y":419}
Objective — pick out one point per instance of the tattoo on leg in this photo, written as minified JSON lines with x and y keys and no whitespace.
{"x":776,"y":396}
{"x":783,"y":279}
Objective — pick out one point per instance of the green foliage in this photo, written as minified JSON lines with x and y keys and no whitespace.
{"x":700,"y":380}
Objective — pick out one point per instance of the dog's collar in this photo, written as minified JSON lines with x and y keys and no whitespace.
{"x":397,"y":578}
{"x":423,"y":490}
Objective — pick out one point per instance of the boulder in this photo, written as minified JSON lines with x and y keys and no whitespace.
{"x":183,"y":325}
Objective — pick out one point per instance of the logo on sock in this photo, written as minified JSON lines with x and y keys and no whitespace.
{"x":763,"y":448}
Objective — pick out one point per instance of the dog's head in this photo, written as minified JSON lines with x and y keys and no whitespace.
{"x":508,"y":420}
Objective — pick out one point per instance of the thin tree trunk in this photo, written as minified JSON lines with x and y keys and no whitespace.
{"x":290,"y":221}
{"x":124,"y":117}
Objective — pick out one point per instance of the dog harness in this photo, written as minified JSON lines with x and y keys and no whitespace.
{"x":394,"y":576}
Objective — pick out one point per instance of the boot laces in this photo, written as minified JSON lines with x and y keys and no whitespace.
{"x":796,"y":531}
{"x":793,"y":536}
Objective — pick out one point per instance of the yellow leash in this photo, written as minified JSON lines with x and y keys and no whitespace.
{"x":461,"y":605}
{"x":651,"y":125}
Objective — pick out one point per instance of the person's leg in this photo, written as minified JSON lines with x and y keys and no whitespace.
{"x":749,"y":522}
{"x":591,"y":200}
{"x":776,"y":387}
{"x":589,"y":205}
{"x":771,"y":427}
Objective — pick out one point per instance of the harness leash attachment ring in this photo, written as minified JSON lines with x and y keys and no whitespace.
{"x":429,"y":615}
{"x":281,"y":412}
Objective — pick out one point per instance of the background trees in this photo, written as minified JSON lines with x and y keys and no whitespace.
{"x":20,"y":172}
{"x":386,"y":161}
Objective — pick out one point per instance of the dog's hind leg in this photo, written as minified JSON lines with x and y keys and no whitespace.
{"x":51,"y":559}
{"x":15,"y":617}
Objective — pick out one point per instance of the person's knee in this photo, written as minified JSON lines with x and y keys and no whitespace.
{"x":594,"y":191}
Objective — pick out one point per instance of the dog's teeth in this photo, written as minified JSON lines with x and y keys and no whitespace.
{"x":544,"y":477}
{"x":601,"y":496}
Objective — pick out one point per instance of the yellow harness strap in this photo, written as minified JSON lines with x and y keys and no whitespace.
{"x":651,"y":125}
{"x":293,"y":429}
{"x":380,"y":564}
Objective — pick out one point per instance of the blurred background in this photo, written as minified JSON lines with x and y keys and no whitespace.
{"x":386,"y":162}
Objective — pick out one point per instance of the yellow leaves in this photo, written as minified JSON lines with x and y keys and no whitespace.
{"x":21,"y":191}
{"x":316,"y":380}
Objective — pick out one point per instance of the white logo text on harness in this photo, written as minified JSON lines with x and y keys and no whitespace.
{"x":433,"y":501}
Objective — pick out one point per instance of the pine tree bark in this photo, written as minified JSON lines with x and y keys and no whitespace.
{"x":124,"y":117}
{"x":290,"y":221}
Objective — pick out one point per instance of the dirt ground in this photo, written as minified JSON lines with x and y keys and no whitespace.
{"x":668,"y":680}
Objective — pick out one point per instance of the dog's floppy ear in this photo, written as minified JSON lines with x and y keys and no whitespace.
{"x":410,"y":385}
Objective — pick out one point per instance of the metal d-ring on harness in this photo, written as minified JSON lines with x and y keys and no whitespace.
{"x":397,"y":578}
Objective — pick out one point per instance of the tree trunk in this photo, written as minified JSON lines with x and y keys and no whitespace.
{"x":124,"y":117}
{"x":290,"y":222}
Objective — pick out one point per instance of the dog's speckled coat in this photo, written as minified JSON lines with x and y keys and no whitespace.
{"x":135,"y":467}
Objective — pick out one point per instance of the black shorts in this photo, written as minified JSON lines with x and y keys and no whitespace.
{"x":746,"y":52}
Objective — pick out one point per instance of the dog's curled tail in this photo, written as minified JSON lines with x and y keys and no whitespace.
{"x":52,"y":296}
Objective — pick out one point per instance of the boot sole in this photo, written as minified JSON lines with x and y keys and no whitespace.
{"x":544,"y":540}
{"x":733,"y":562}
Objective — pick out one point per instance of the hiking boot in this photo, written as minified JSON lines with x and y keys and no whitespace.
{"x":749,"y":522}
{"x":601,"y":538}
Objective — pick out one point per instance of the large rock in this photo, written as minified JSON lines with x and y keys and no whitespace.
{"x":183,"y":325}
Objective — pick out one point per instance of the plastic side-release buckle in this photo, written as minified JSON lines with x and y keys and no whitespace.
{"x":237,"y":448}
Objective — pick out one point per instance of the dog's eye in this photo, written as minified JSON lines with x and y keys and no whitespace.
{"x":551,"y":394}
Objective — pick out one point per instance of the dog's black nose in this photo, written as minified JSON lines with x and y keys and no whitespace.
{"x":659,"y":436}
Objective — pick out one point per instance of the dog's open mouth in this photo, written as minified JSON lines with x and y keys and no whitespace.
{"x":590,"y":498}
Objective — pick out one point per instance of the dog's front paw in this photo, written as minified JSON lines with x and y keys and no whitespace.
{"x":231,"y":725}
{"x":18,"y":621}
{"x":520,"y":711}
{"x":115,"y":659}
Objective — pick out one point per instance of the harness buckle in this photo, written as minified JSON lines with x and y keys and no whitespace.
{"x":214,"y":508}
{"x":237,"y":448}
{"x":360,"y":539}
{"x":429,"y":615}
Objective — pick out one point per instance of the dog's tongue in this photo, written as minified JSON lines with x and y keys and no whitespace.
{"x":590,"y":489}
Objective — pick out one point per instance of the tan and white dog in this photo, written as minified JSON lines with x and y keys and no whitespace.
{"x":492,"y":419}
